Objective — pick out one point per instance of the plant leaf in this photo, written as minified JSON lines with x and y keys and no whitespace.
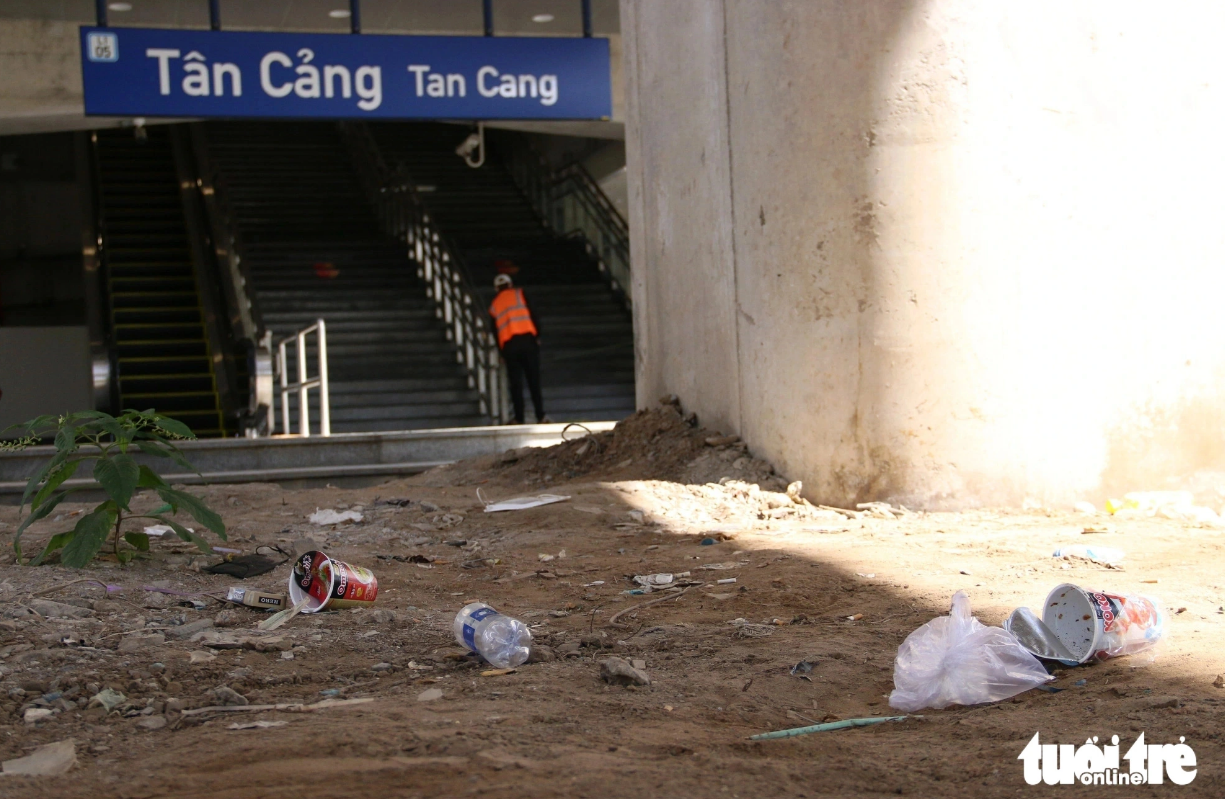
{"x":125,"y":556}
{"x":88,"y":536}
{"x":138,"y":540}
{"x":54,"y":482}
{"x":118,"y":476}
{"x":198,"y":510}
{"x":173,"y":426}
{"x":42,"y":511}
{"x":187,"y":535}
{"x":66,"y":438}
{"x":165,"y":508}
{"x":57,"y":541}
{"x":41,"y":475}
{"x":149,"y":479}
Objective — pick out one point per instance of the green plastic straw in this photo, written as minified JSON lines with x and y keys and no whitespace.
{"x":832,"y":725}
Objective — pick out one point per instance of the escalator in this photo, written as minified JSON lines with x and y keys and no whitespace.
{"x":161,"y":350}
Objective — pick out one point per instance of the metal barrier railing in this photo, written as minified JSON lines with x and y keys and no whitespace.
{"x":571,"y":202}
{"x":402,"y":214}
{"x":305,"y":383}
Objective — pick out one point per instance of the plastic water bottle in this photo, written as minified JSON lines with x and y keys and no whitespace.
{"x":504,"y":642}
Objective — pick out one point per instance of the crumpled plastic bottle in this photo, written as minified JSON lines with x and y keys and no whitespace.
{"x":504,"y":642}
{"x":957,"y":660}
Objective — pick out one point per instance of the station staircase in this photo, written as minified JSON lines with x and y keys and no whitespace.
{"x":161,"y":351}
{"x":587,"y":341}
{"x":312,"y":248}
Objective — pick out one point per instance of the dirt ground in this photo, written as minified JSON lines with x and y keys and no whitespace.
{"x":839,"y":590}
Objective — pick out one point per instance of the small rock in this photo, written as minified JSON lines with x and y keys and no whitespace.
{"x":174,"y":705}
{"x":188,"y":630}
{"x":1164,"y":702}
{"x":273,"y":643}
{"x":382,"y":616}
{"x":51,"y":760}
{"x":34,"y":715}
{"x":428,"y":507}
{"x":228,"y":618}
{"x":227,"y":696}
{"x":381,"y":667}
{"x":638,"y":663}
{"x":200,"y":656}
{"x":59,"y":610}
{"x":155,"y":722}
{"x":156,"y":600}
{"x":429,"y":695}
{"x":570,"y":648}
{"x":618,"y":671}
{"x":541,"y":654}
{"x":1219,"y":682}
{"x":140,"y":643}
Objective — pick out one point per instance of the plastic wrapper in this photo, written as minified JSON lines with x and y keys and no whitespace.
{"x":957,"y":660}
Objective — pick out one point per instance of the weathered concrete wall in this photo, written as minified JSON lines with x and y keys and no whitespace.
{"x":942,"y":251}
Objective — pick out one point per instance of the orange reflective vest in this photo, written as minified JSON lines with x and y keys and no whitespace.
{"x":510,"y":314}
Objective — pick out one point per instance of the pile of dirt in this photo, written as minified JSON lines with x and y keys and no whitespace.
{"x":661,"y":443}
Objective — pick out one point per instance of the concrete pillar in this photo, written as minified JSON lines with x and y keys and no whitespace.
{"x":940,"y":251}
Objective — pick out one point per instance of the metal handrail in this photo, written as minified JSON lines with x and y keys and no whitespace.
{"x":402,"y":213}
{"x":572,"y":204}
{"x":305,"y":383}
{"x":244,"y":316}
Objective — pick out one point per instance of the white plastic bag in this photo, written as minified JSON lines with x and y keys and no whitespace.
{"x":956,"y":660}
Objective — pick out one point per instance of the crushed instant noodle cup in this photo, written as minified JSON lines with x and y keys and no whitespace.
{"x":328,"y":584}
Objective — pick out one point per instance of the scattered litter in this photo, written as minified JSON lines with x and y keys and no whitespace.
{"x":292,"y":707}
{"x":1091,"y":529}
{"x":503,"y":642}
{"x":50,"y":760}
{"x":262,"y":724}
{"x":725,"y":581}
{"x":324,"y":583}
{"x":590,"y":585}
{"x":746,"y":629}
{"x":618,"y":671}
{"x":1081,"y":683}
{"x":654,"y":580}
{"x":801,"y":668}
{"x":429,"y":695}
{"x":257,"y":599}
{"x":957,"y":660}
{"x":826,"y":727}
{"x":157,"y":530}
{"x":1091,"y":625}
{"x":108,"y":699}
{"x":1105,"y":555}
{"x":723,"y":566}
{"x":330,"y":516}
{"x":244,"y":566}
{"x":868,"y":576}
{"x":1087,"y":508}
{"x":497,"y":672}
{"x":277,"y":619}
{"x":1050,"y":689}
{"x":543,"y":558}
{"x":523,"y":503}
{"x":1176,"y":505}
{"x":706,"y":542}
{"x":854,"y":617}
{"x":33,"y":715}
{"x":1036,"y":637}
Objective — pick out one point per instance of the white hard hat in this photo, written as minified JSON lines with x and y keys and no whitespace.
{"x":502,"y":282}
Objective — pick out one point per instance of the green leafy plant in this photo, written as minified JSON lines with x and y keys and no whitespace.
{"x":108,"y":441}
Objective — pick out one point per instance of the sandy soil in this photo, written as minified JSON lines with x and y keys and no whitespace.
{"x":640,"y":503}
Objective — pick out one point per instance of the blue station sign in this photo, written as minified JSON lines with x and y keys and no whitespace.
{"x":191,"y":73}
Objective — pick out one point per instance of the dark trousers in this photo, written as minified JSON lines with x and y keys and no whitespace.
{"x":522,"y":355}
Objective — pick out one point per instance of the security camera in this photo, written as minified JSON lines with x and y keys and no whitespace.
{"x":474,"y":143}
{"x":468,"y":146}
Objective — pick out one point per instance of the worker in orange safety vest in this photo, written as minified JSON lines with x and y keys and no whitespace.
{"x":519,"y":341}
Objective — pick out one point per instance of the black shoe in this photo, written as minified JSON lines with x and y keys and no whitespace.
{"x":544,"y":420}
